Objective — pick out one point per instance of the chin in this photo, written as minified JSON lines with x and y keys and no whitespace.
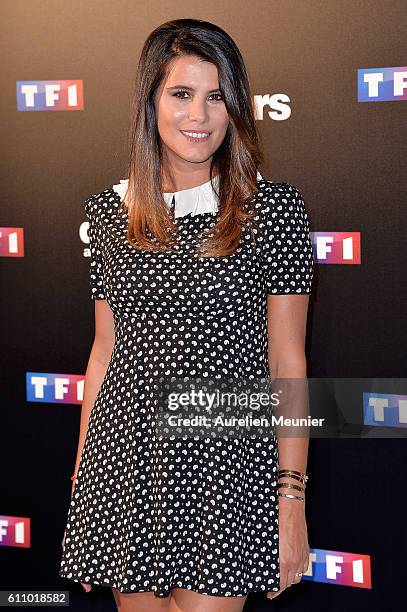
{"x":196,"y":158}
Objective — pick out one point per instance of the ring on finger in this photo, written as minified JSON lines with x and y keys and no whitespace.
{"x":297,"y":574}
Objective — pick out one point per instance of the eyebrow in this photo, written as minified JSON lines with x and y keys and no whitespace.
{"x":190,"y":88}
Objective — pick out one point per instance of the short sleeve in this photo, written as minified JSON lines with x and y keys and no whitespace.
{"x":97,"y":290}
{"x":286,"y":249}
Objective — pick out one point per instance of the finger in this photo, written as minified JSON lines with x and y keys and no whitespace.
{"x":87,"y":587}
{"x":294,"y":579}
{"x":273,"y":594}
{"x":283,"y":582}
{"x":284,"y":576}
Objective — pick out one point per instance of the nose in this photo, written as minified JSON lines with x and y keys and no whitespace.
{"x":197,"y":110}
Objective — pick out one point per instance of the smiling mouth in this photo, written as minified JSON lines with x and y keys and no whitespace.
{"x":196,"y":136}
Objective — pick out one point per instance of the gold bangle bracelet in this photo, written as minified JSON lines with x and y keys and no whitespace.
{"x":288,"y":485}
{"x":304,"y":480}
{"x":304,"y":476}
{"x":291,"y":496}
{"x":288,"y":470}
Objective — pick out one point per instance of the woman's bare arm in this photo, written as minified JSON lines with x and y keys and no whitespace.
{"x":98,"y":363}
{"x":287,"y":321}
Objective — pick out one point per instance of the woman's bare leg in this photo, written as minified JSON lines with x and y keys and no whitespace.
{"x":183,"y":600}
{"x":140,"y":602}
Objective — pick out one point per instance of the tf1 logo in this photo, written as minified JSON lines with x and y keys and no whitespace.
{"x":336,"y":247}
{"x":382,"y":84}
{"x":11,"y":242}
{"x":54,"y":388}
{"x":385,"y":410}
{"x":15,"y":531}
{"x":49,"y":95}
{"x":338,"y":567}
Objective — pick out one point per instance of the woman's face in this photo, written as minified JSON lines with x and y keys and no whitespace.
{"x":189,"y":101}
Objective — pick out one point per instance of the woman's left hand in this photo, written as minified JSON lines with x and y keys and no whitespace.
{"x":293,"y":543}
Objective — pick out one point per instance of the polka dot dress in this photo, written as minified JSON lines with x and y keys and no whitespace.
{"x":200,"y":514}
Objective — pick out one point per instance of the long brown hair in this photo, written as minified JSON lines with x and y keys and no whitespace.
{"x":236,"y":161}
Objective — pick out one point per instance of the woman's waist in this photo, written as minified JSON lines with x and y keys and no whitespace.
{"x":203,"y":314}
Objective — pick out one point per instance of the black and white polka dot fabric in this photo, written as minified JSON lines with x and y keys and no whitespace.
{"x":200,"y":514}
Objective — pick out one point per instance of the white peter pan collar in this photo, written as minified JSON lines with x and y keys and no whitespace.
{"x":194,"y":201}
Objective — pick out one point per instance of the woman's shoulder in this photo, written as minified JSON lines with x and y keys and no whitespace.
{"x":101,"y":206}
{"x":278,"y":201}
{"x":273,"y":194}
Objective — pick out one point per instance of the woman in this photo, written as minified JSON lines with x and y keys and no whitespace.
{"x":199,"y":268}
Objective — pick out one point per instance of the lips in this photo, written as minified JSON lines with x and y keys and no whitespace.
{"x":196,"y":135}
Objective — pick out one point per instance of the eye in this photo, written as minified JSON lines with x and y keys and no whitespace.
{"x":179,"y":94}
{"x":180,"y":91}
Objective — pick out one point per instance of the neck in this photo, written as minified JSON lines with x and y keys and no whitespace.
{"x":182,"y":179}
